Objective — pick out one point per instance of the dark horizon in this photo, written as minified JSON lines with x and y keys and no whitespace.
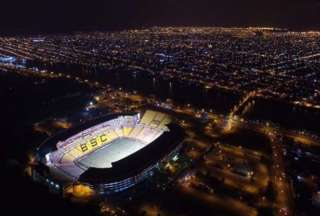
{"x":37,"y":16}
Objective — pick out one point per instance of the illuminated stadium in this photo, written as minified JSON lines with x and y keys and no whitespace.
{"x":110,"y":154}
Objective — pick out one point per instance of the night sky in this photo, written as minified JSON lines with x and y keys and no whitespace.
{"x":68,"y":15}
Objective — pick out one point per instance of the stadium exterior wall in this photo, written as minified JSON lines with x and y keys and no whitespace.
{"x":115,"y":187}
